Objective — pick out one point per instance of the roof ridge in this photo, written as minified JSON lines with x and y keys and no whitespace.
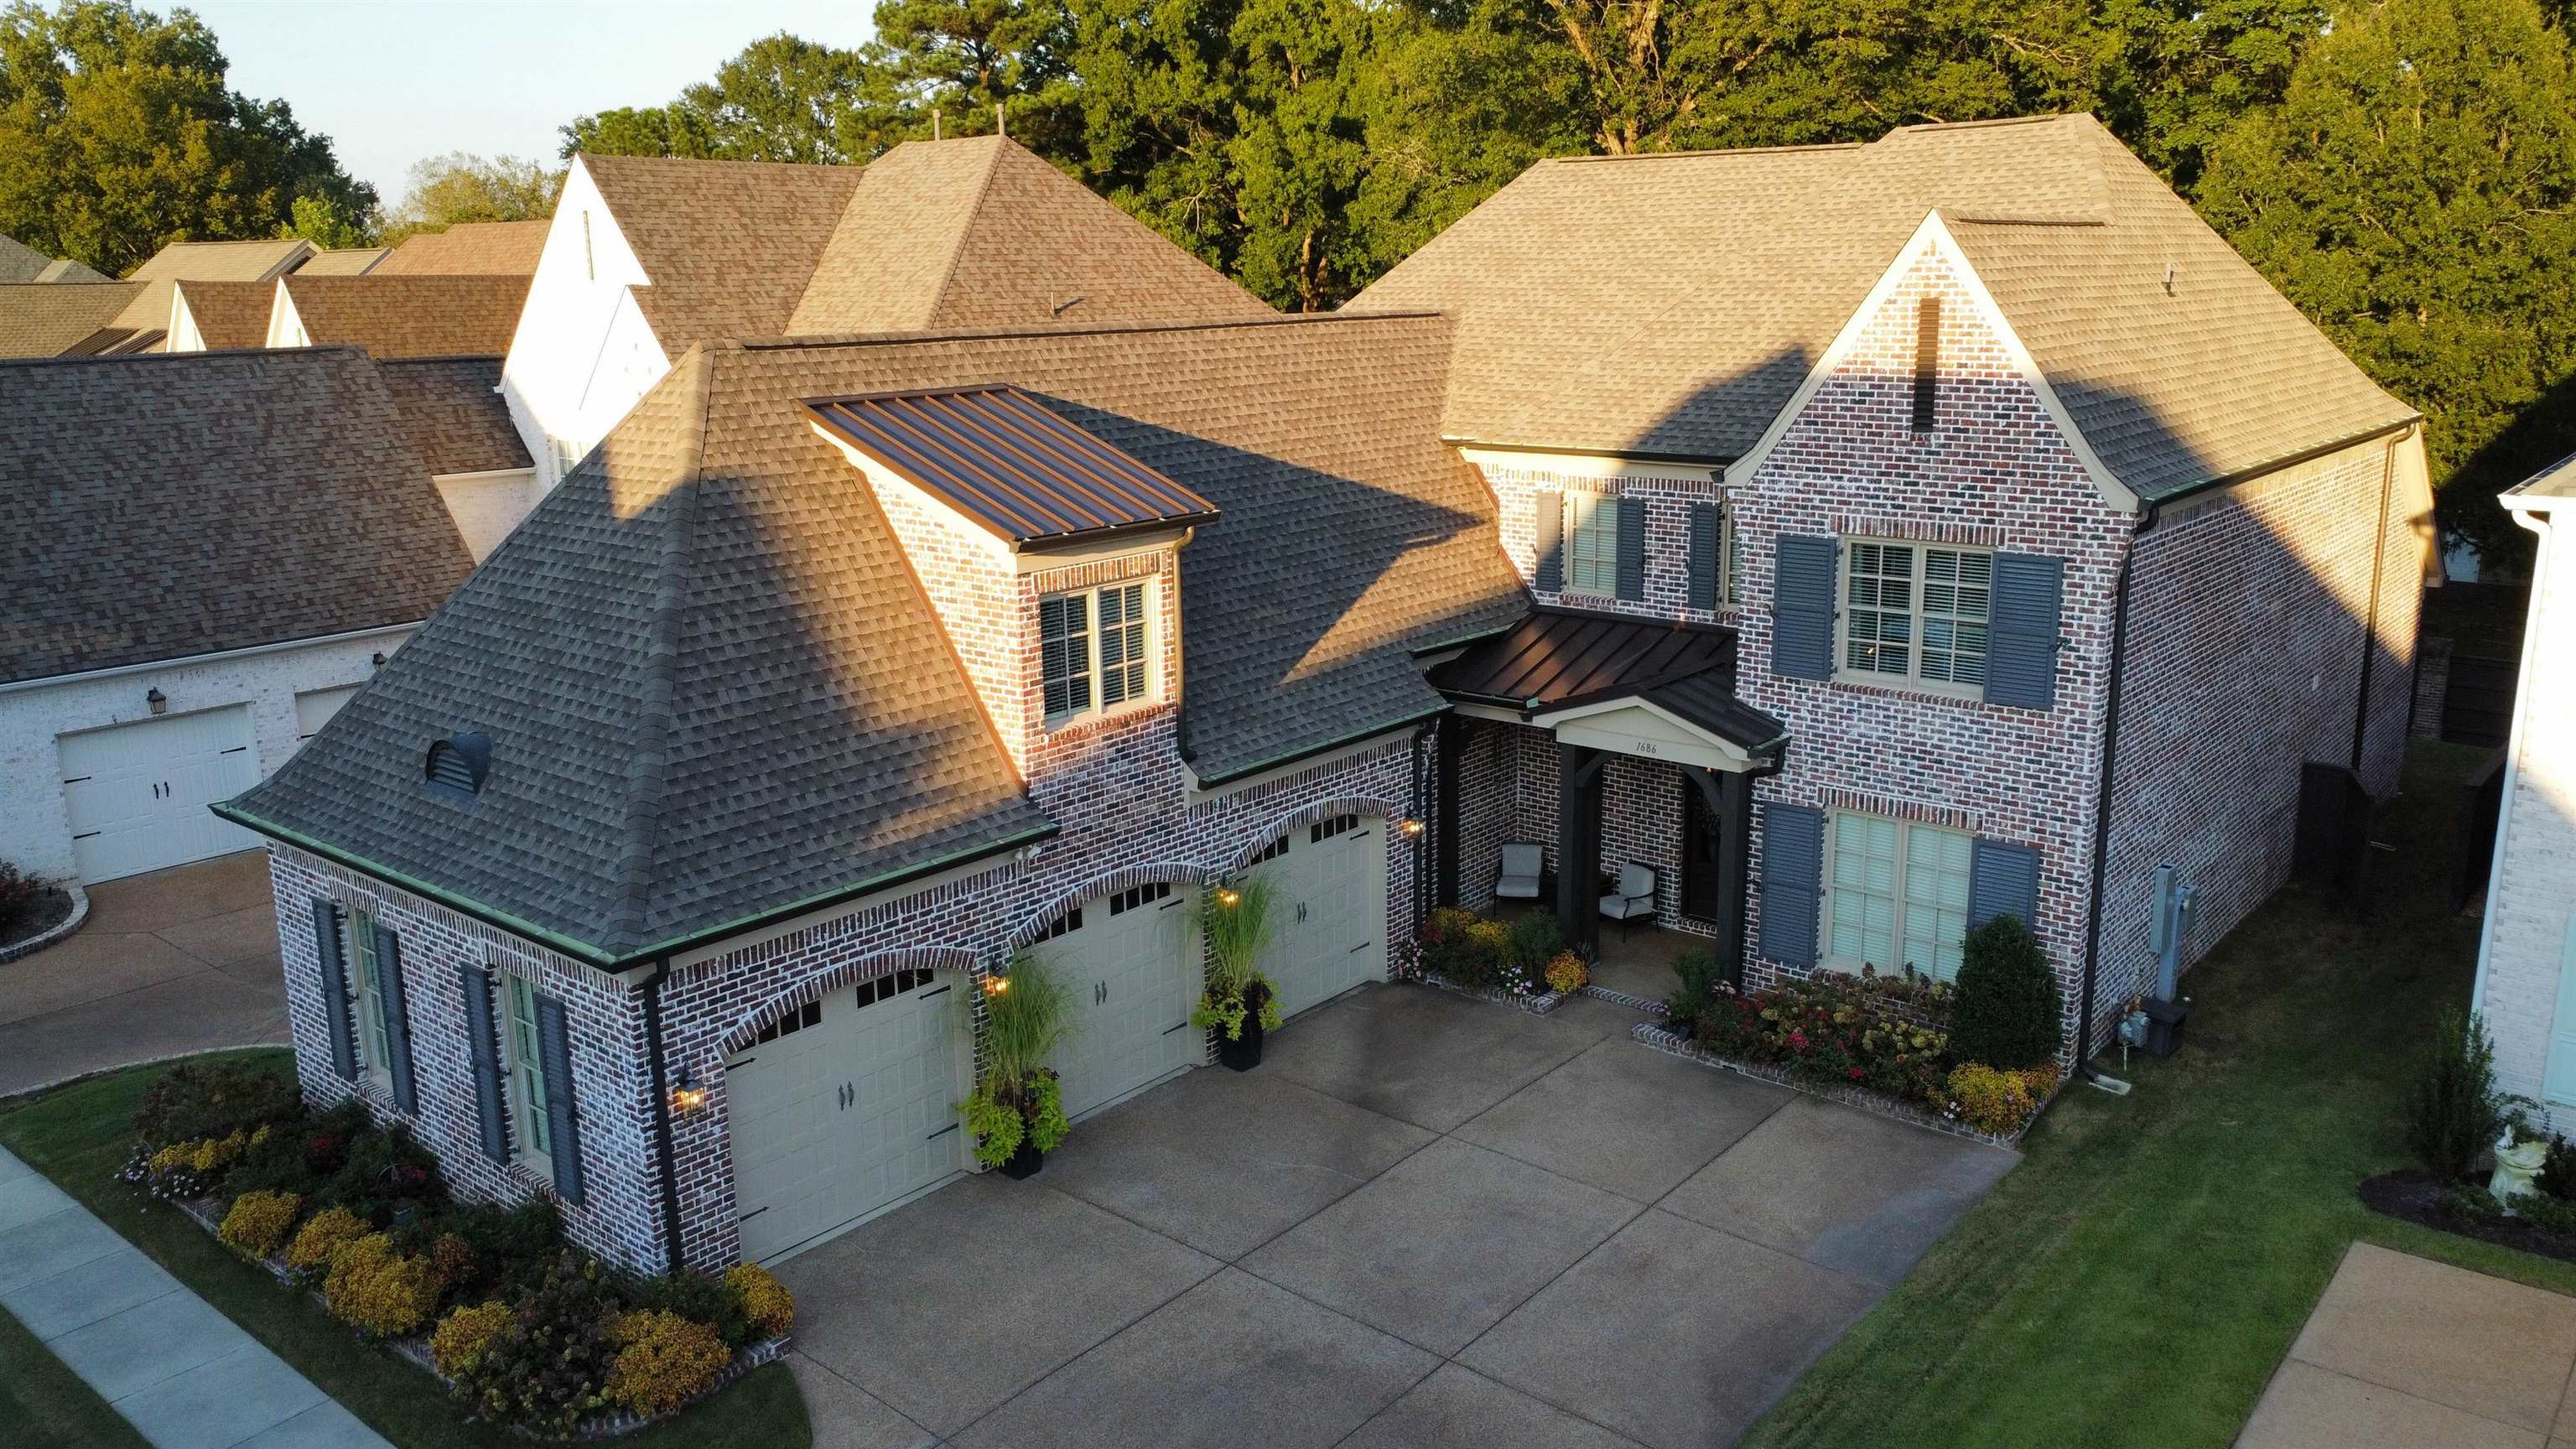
{"x":1705,"y":153}
{"x":957,"y":245}
{"x":822,"y":341}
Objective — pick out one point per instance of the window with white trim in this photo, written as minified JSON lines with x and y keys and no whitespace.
{"x":567,"y":455}
{"x":1896,"y":895}
{"x":1092,"y":651}
{"x":531,"y":1132}
{"x":358,"y":948}
{"x":1591,"y":543}
{"x":1913,"y":611}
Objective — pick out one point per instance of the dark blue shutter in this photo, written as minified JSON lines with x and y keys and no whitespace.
{"x":2003,"y":880}
{"x":2021,"y":645}
{"x":1703,"y":556}
{"x":1793,"y":871}
{"x":335,"y":989}
{"x":1802,"y":607}
{"x":563,"y":1124}
{"x":1547,"y":525}
{"x":483,"y":1050}
{"x":1632,"y":547}
{"x":389,"y":989}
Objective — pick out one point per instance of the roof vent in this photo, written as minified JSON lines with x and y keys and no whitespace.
{"x":460,"y":762}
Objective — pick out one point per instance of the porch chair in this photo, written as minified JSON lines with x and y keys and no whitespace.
{"x":1636,"y":897}
{"x":1518,"y":879}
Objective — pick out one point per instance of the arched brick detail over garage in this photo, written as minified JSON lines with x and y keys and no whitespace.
{"x":1161,"y":872}
{"x":911,"y":958}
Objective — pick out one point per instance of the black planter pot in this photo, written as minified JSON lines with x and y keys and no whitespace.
{"x":1024,"y":1164}
{"x":1242,"y":1053}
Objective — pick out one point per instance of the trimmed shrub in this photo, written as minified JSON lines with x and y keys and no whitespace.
{"x":697,"y":1297}
{"x":1991,"y":1099}
{"x":1696,"y":970}
{"x":1531,"y":942}
{"x":378,"y":1291}
{"x":513,"y":1246}
{"x":274,"y":1162}
{"x":1832,"y":1029}
{"x":19,"y":893}
{"x":384,"y":1168}
{"x":543,"y":1371}
{"x":322,"y":1235}
{"x":2454,"y":1113}
{"x":766,"y":1304}
{"x":458,"y":1343}
{"x":663,"y":1361}
{"x":196,"y":1101}
{"x":2005,"y":1011}
{"x":1567,"y":973}
{"x":258,"y":1222}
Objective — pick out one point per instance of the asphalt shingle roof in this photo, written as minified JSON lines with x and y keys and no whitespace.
{"x":20,"y":262}
{"x":453,"y":411}
{"x":473,"y":248}
{"x":230,"y":314}
{"x":307,"y":512}
{"x":222,"y":261}
{"x":343,"y":262}
{"x":42,"y":319}
{"x":410,"y":316}
{"x":728,"y":245}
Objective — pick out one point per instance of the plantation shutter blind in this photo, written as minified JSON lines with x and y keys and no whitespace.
{"x":2021,"y":647}
{"x":1802,"y":607}
{"x":484,"y":1051}
{"x":1547,"y":523}
{"x":1632,"y":547}
{"x":1703,"y":556}
{"x":1793,"y":865}
{"x":389,"y":990}
{"x":2003,"y":880}
{"x":335,"y":989}
{"x":563,"y":1123}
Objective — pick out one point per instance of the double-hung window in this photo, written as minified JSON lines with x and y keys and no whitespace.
{"x":530,"y":1132}
{"x":1896,"y":895}
{"x":1092,"y":650}
{"x":1591,"y":544}
{"x":1916,"y":612}
{"x":358,"y":948}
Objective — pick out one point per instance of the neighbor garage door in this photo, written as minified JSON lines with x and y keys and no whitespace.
{"x":1134,"y":975}
{"x":137,"y":793}
{"x":1331,"y":936}
{"x":844,"y":1107}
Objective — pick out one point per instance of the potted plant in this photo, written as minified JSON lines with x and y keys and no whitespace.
{"x":1017,"y":1108}
{"x":1236,"y":922}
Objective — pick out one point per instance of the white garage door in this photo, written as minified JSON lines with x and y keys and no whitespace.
{"x":137,"y":793}
{"x":845,"y":1107}
{"x":314,"y":708}
{"x":1331,"y":910}
{"x":1134,"y":975}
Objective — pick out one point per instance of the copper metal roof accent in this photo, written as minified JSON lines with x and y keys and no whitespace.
{"x":1561,"y":658}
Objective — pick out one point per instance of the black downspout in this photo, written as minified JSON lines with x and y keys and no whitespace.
{"x":2370,"y":623}
{"x":662,"y":1115}
{"x":1425,"y":848}
{"x":2102,"y":804}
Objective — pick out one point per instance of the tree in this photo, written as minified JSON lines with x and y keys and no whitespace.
{"x":119,"y":136}
{"x":781,"y":99}
{"x":319,"y":221}
{"x":964,"y":57}
{"x":2415,"y":195}
{"x":458,"y":187}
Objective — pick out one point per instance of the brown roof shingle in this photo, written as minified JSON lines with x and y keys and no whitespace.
{"x":452,"y":408}
{"x":223,"y":261}
{"x":42,"y":319}
{"x":728,"y":245}
{"x":229,"y":314}
{"x":469,"y":249}
{"x":343,"y":262}
{"x":410,"y":316}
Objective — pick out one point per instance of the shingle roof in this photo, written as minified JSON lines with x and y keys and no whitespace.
{"x":42,"y":319}
{"x":473,"y":248}
{"x":2558,"y":480}
{"x":64,"y":269}
{"x":981,"y":233}
{"x":714,"y":691}
{"x":410,"y":316}
{"x":1670,"y":304}
{"x":728,"y":245}
{"x":20,"y":262}
{"x":222,"y":261}
{"x":343,"y":262}
{"x":230,"y":314}
{"x":307,"y":512}
{"x":452,"y":408}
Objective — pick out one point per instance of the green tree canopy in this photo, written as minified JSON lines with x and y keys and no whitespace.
{"x":781,"y":99}
{"x":460,"y":187}
{"x":118,"y":136}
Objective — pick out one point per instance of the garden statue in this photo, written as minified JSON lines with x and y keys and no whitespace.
{"x":2517,"y":1169}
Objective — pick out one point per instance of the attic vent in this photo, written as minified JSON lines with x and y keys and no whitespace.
{"x":460,"y":762}
{"x":1927,"y":360}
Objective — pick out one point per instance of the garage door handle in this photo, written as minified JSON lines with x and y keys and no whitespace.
{"x":1362,"y":835}
{"x":738,"y":1066}
{"x":925,"y":996}
{"x":1362,"y":946}
{"x":942,"y":1132}
{"x":755,"y":1212}
{"x":1167,"y":1031}
{"x":1167,"y":905}
{"x":84,"y":835}
{"x":237,"y":749}
{"x":77,"y":779}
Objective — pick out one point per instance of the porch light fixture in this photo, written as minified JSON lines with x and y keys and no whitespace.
{"x":1410,"y":827}
{"x":996,"y":985}
{"x":377,"y":659}
{"x":159,"y":702}
{"x":686,"y":1094}
{"x":1228,"y":897}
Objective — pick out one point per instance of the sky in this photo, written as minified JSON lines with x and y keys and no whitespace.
{"x":393,"y":81}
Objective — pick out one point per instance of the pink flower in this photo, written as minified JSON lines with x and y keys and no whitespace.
{"x":1797,"y":1041}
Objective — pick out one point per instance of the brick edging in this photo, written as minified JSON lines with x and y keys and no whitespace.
{"x":56,"y":932}
{"x":1658,"y":1038}
{"x":1538,"y":1005}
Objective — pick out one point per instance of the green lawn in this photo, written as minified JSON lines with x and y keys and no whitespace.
{"x":2138,"y":1277}
{"x":77,"y":1135}
{"x":48,"y":1402}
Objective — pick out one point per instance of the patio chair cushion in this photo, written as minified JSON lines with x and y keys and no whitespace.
{"x":1636,"y":895}
{"x":1520,"y":872}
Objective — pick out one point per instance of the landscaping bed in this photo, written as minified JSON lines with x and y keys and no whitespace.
{"x":2416,"y":1196}
{"x":1522,"y":962}
{"x":34,"y":914}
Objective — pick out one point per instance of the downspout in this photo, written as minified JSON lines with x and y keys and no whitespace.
{"x":2149,"y":513}
{"x":1424,"y":848}
{"x":2370,"y":621}
{"x":662,"y":1149}
{"x":2545,"y":529}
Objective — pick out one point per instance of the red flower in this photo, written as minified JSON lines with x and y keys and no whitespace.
{"x":1797,"y":1041}
{"x":1856,"y":1074}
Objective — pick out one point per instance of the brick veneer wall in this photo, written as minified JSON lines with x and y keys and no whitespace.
{"x":1667,"y":494}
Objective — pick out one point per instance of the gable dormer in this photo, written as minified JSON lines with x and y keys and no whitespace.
{"x":1051,"y":557}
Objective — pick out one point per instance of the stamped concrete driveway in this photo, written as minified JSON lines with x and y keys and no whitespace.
{"x":181,"y":960}
{"x":1424,"y":1220}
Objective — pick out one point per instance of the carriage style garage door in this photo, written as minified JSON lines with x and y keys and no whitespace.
{"x":137,"y":793}
{"x":845,"y":1106}
{"x":1131,"y":961}
{"x":1331,"y":909}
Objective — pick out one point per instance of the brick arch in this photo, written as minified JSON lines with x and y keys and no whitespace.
{"x":909,"y":958}
{"x":1161,"y":872}
{"x":1340,"y":805}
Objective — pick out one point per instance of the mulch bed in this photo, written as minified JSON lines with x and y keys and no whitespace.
{"x":2416,"y":1196}
{"x":53,"y":907}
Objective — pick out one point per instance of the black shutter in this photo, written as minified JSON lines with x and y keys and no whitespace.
{"x":1793,"y":873}
{"x":2021,"y":643}
{"x":335,"y":989}
{"x":483,"y":1050}
{"x":1632,"y":547}
{"x":389,"y":989}
{"x":1802,"y":607}
{"x":2003,"y":880}
{"x":1703,"y":556}
{"x":563,"y":1124}
{"x":1547,"y":524}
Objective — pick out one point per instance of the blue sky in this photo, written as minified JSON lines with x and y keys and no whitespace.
{"x":392,"y":81}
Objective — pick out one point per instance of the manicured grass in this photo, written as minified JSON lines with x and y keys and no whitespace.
{"x":78,"y":1135}
{"x":2136,"y":1280}
{"x":48,"y":1402}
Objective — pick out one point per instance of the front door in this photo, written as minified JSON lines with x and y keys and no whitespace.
{"x":1701,"y":885}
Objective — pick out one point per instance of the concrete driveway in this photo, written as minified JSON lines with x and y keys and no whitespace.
{"x":181,"y":960}
{"x":1424,"y":1220}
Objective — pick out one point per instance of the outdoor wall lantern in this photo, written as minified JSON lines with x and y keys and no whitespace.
{"x":686,"y":1094}
{"x":377,"y":659}
{"x":159,"y":702}
{"x":996,"y":985}
{"x":1411,"y":828}
{"x":1228,"y":896}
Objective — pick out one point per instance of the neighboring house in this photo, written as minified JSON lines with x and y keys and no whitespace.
{"x":479,"y":249}
{"x":1811,"y":525}
{"x":205,"y":558}
{"x":219,"y":316}
{"x":452,"y":408}
{"x":2526,"y":984}
{"x":406,"y":315}
{"x":344,"y":262}
{"x":22,"y":263}
{"x":649,"y":256}
{"x":68,"y":317}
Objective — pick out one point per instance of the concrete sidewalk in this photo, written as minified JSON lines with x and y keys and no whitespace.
{"x":182,"y":1374}
{"x":2404,"y":1353}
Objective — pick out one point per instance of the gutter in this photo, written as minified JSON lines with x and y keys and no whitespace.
{"x":1206,"y":782}
{"x":2287,"y":460}
{"x":191,"y":661}
{"x":2149,"y":511}
{"x":2544,"y":527}
{"x":669,"y":1174}
{"x":2370,"y":621}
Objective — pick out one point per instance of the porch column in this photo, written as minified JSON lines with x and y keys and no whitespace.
{"x":1729,"y":795}
{"x":1578,"y":847}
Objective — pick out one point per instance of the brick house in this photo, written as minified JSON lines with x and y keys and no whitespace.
{"x":1816,"y":553}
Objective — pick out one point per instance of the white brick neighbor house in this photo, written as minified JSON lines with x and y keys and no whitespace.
{"x":2526,"y":982}
{"x":1812,"y":526}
